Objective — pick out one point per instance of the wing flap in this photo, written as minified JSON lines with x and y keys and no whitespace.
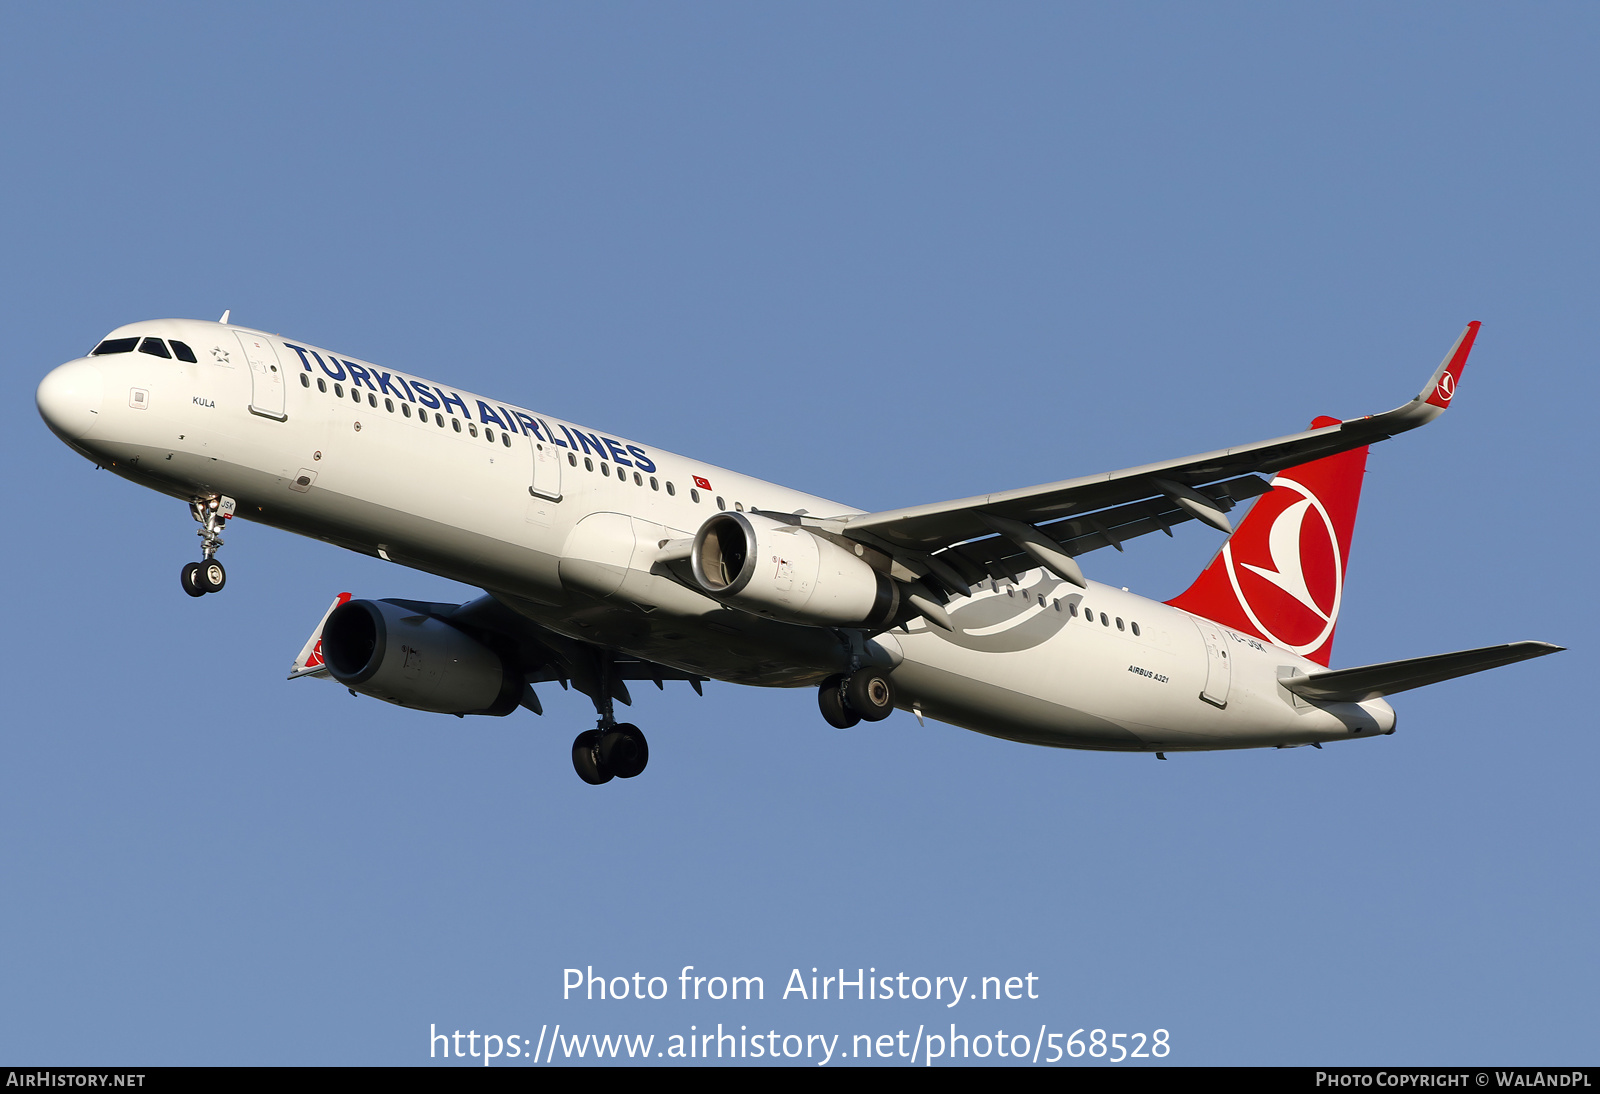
{"x":1357,"y":685}
{"x":996,"y":557}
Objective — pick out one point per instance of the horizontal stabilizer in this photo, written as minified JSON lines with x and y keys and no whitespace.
{"x":1357,"y":685}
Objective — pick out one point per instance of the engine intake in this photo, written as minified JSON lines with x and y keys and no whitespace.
{"x":413,"y":660}
{"x":764,"y":566}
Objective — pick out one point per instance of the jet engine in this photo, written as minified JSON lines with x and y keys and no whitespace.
{"x":764,"y":566}
{"x":413,"y":660}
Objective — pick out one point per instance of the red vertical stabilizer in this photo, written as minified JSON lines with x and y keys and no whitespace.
{"x":1280,"y":576}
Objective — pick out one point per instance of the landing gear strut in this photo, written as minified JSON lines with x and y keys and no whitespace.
{"x":613,"y":750}
{"x":207,"y":575}
{"x":865,"y":695}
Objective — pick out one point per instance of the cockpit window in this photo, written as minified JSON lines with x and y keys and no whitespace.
{"x":114,"y":345}
{"x":182,"y":352}
{"x":155,"y":347}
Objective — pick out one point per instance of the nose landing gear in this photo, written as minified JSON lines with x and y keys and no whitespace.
{"x":207,"y":575}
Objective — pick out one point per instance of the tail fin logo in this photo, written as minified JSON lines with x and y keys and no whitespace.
{"x":1292,"y":576}
{"x":1446,"y":388}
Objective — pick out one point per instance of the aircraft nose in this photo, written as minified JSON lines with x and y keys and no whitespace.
{"x":69,"y":398}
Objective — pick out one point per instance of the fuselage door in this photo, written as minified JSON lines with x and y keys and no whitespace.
{"x":546,"y":469}
{"x":1219,"y":667}
{"x":266,"y":377}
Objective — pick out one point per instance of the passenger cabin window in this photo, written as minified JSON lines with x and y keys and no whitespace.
{"x":338,"y":391}
{"x":1135,"y":630}
{"x":182,"y":352}
{"x":405,"y":408}
{"x":155,"y":347}
{"x":505,"y":439}
{"x":114,"y":345}
{"x":572,"y":460}
{"x":671,"y":490}
{"x":305,"y":381}
{"x":322,"y":385}
{"x":472,"y":428}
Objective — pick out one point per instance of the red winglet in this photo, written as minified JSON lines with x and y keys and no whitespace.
{"x":1444,"y":388}
{"x":310,"y":659}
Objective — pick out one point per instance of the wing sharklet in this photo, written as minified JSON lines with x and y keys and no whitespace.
{"x":309,"y":661}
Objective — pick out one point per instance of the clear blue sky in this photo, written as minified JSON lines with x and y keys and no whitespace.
{"x":890,"y":254}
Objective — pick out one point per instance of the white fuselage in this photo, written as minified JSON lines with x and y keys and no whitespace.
{"x":563,"y":524}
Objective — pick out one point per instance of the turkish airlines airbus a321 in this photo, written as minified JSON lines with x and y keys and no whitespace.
{"x":607,"y":562}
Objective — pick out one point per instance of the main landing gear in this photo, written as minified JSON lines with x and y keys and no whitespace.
{"x":865,"y":695}
{"x":613,"y":750}
{"x":207,"y":575}
{"x":617,"y":752}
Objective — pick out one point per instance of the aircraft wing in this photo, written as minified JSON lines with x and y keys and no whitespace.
{"x":548,"y":656}
{"x":1087,"y":513}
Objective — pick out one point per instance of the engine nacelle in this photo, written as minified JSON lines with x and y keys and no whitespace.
{"x":412,"y":660}
{"x":760,"y":565}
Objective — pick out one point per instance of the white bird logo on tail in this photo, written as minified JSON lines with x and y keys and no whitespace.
{"x":1287,"y":572}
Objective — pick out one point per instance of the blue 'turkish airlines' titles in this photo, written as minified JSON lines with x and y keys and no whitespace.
{"x":433,"y":397}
